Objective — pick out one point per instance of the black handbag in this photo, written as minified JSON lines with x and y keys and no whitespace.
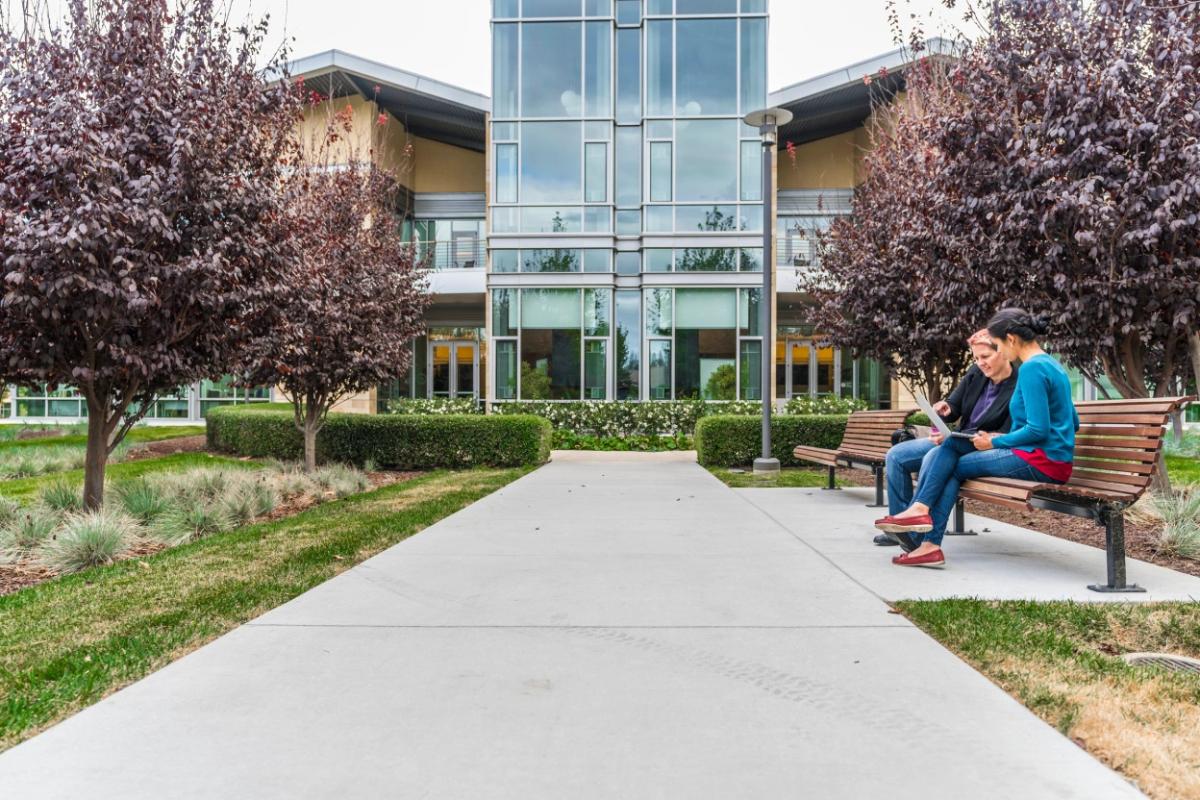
{"x":905,"y":434}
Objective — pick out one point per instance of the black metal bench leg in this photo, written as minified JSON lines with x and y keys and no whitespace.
{"x":1114,"y":547}
{"x":878,"y":488}
{"x":832,"y":487}
{"x":960,"y":522}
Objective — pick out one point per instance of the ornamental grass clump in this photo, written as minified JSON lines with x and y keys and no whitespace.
{"x":189,"y":520}
{"x":61,"y":495}
{"x":88,"y":540}
{"x":142,"y":499}
{"x":340,"y":479}
{"x":1180,"y":512}
{"x":26,"y":532}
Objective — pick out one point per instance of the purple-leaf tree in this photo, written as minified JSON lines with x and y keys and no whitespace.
{"x":356,"y":297}
{"x":141,"y":207}
{"x":880,"y":288}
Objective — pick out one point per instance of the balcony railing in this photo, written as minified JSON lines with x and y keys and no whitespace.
{"x":794,"y":252}
{"x":465,"y":253}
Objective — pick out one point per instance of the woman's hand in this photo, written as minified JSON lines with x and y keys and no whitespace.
{"x":982,"y":440}
{"x":935,"y":436}
{"x":942,"y":408}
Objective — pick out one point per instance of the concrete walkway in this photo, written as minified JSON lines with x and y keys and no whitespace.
{"x":607,"y":627}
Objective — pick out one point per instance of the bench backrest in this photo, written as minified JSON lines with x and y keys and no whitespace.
{"x":870,"y":432}
{"x":1118,"y":444}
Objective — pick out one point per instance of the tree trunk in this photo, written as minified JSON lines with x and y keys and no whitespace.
{"x":1194,"y":353}
{"x":95,"y":459}
{"x":312,"y":424}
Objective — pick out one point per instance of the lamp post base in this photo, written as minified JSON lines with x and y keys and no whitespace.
{"x":766,"y":466}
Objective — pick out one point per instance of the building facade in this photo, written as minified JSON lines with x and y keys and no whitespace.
{"x":594,"y":228}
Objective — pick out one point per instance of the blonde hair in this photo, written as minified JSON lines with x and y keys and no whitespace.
{"x":981,"y":336}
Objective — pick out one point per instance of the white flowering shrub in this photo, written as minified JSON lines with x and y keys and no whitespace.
{"x":825,"y":405}
{"x":627,"y":418}
{"x":441,"y":405}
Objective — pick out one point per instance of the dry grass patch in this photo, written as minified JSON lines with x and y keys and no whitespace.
{"x":1063,"y":661}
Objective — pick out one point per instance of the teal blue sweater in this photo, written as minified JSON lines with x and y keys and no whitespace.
{"x":1043,"y":416}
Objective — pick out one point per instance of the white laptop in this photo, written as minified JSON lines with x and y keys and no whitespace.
{"x":936,"y":420}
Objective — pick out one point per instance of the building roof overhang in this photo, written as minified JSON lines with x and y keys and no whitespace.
{"x":841,"y":100}
{"x":429,"y":108}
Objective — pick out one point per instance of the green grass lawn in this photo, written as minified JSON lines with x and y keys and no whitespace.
{"x":1183,"y":469}
{"x":139,"y":435}
{"x":1062,"y":660}
{"x":788,"y":478}
{"x":66,"y":643}
{"x":22,"y":489}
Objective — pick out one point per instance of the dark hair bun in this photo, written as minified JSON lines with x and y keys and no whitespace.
{"x":1039,"y":324}
{"x":1018,"y":322}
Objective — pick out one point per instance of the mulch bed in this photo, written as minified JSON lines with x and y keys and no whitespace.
{"x":167,"y":447}
{"x":14,"y":577}
{"x":1141,"y":536}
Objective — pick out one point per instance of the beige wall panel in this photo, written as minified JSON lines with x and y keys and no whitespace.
{"x":390,"y":141}
{"x":445,"y":168}
{"x":824,"y":164}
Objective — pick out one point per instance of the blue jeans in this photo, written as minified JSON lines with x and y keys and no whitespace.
{"x":903,"y":463}
{"x":956,"y":461}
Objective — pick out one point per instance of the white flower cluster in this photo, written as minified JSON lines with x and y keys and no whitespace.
{"x":443,"y":405}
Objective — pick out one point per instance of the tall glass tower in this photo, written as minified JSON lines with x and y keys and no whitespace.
{"x":625,"y":199}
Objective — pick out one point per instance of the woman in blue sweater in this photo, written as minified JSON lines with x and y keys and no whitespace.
{"x":1039,"y":447}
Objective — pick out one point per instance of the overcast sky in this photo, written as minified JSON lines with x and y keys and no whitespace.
{"x":449,"y":39}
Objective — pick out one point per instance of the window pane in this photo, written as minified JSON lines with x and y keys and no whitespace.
{"x":550,"y":364}
{"x":551,"y":67}
{"x":597,"y":311}
{"x":597,"y":220}
{"x":551,"y":8}
{"x":549,"y":308}
{"x":660,"y":171}
{"x":504,"y":8}
{"x":705,"y":218}
{"x":754,"y":6}
{"x":505,"y":220}
{"x":504,"y":311}
{"x":658,"y":312}
{"x":628,"y":263}
{"x":506,"y":370}
{"x":629,"y":12}
{"x":705,"y":364}
{"x":659,"y":379}
{"x":658,"y":68}
{"x":550,"y":220}
{"x":597,"y":8}
{"x":751,"y":382}
{"x":629,"y":75}
{"x":706,"y":162}
{"x":550,"y":168}
{"x":706,"y":66}
{"x":660,"y":129}
{"x":595,"y":370}
{"x":749,"y":312}
{"x":597,"y":261}
{"x":506,"y":173}
{"x":752,"y":259}
{"x":707,"y":259}
{"x":705,"y":308}
{"x":629,"y":343}
{"x":705,"y":6}
{"x":504,"y":71}
{"x":660,"y":219}
{"x":550,"y":261}
{"x":597,"y":80}
{"x":629,"y":167}
{"x":595,"y":165}
{"x":751,"y":171}
{"x":505,"y":260}
{"x":629,"y":223}
{"x":658,"y":259}
{"x":754,"y":65}
{"x":601,"y":130}
{"x":658,"y":7}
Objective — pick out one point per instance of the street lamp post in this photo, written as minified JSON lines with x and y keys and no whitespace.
{"x":767,"y":121}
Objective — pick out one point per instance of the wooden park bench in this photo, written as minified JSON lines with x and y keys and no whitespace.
{"x":864,"y":446}
{"x":1116,"y":450}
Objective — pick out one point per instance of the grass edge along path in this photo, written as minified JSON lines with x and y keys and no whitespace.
{"x":1061,"y":660}
{"x":71,"y":641}
{"x":787,"y":478}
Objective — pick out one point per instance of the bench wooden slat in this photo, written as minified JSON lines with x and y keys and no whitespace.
{"x":1110,"y":477}
{"x":1117,"y":454}
{"x":1140,"y":443}
{"x":984,"y":497}
{"x":1113,"y":466}
{"x":1124,"y":419}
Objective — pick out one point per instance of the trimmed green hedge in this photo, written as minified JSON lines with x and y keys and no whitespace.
{"x":729,"y":441}
{"x":406,"y":441}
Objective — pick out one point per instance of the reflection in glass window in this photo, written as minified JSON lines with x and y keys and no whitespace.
{"x":706,"y":67}
{"x":705,"y":218}
{"x":752,"y":259}
{"x":595,"y":172}
{"x":754,"y":65}
{"x":550,"y":168}
{"x":751,"y":171}
{"x":705,"y":6}
{"x":706,"y":159}
{"x":551,"y":70}
{"x":597,"y":130}
{"x":660,"y":219}
{"x":597,"y":220}
{"x":597,"y":80}
{"x":751,"y":378}
{"x":595,"y":370}
{"x":504,"y":71}
{"x":505,"y":260}
{"x":659,"y":94}
{"x":629,"y":166}
{"x":658,"y":259}
{"x":629,"y":12}
{"x":705,"y":344}
{"x":660,"y":171}
{"x":550,"y":220}
{"x":504,"y":312}
{"x":551,"y":8}
{"x":658,"y":6}
{"x":629,"y":263}
{"x":504,"y":8}
{"x":707,"y":259}
{"x":749,"y":312}
{"x":597,"y":8}
{"x":506,"y":173}
{"x":629,"y":223}
{"x":597,"y":260}
{"x":551,"y":344}
{"x":629,"y":75}
{"x":658,"y":312}
{"x":629,"y":343}
{"x":506,"y":370}
{"x":659,"y":379}
{"x":550,"y":261}
{"x":597,"y":311}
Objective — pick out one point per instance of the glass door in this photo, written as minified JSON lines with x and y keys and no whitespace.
{"x":454,"y":369}
{"x":793,"y":368}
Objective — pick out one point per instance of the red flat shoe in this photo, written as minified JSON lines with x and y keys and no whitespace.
{"x":935,"y":559}
{"x":921,"y":524}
